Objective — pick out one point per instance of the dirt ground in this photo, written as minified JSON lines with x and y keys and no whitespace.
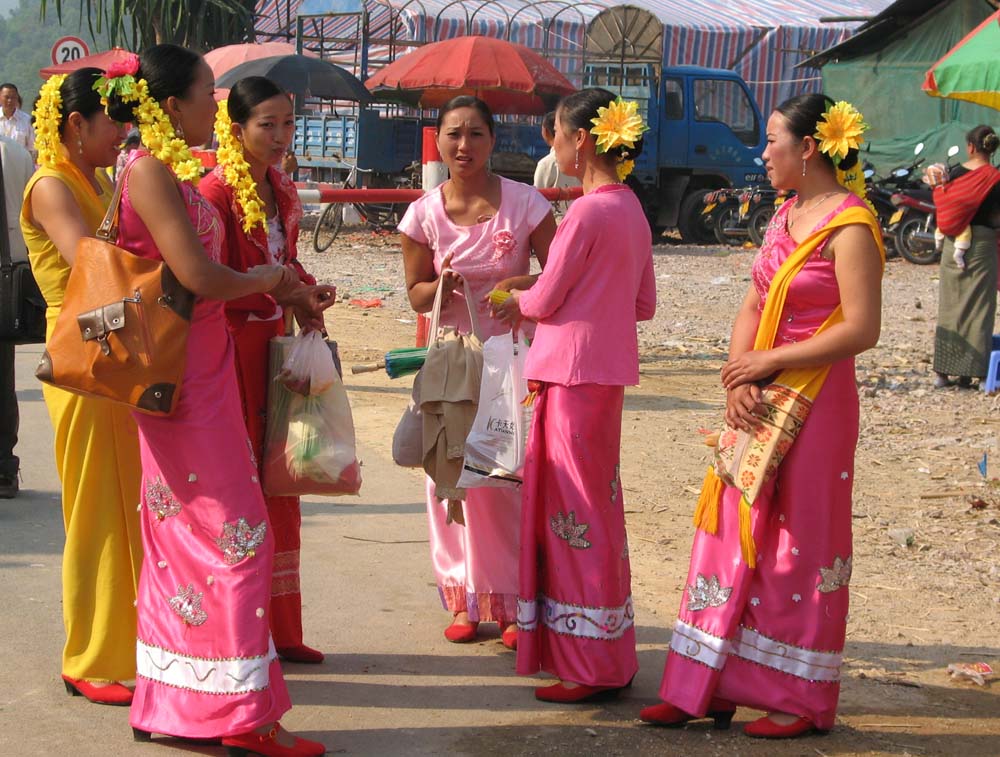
{"x":926,"y":582}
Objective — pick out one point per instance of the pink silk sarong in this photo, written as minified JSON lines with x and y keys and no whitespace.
{"x":575,"y":613}
{"x":773,"y":638}
{"x":206,"y":666}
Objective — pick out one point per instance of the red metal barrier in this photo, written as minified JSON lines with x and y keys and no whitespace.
{"x":315,"y":193}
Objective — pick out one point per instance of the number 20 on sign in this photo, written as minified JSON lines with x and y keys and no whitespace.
{"x":69,"y":49}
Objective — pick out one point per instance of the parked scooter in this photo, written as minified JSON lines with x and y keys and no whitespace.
{"x":913,"y":223}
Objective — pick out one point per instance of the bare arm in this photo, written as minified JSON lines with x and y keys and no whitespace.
{"x":153,"y":193}
{"x":53,"y":209}
{"x":541,"y":238}
{"x":858,"y":269}
{"x":421,"y":278}
{"x":743,"y":401}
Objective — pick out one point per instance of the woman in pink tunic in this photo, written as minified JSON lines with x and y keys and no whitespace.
{"x":575,"y":615}
{"x":483,"y":228}
{"x":206,"y":666}
{"x":764,"y":615}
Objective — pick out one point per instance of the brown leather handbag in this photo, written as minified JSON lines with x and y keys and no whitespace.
{"x":122,"y":331}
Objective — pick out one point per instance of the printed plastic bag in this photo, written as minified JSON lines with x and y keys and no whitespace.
{"x":494,"y":448}
{"x":309,"y":445}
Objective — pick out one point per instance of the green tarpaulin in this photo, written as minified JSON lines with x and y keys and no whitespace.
{"x":886,"y":87}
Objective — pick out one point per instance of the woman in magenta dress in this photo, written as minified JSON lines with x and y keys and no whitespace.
{"x":483,"y":228}
{"x":259,"y":124}
{"x":206,"y":666}
{"x":764,"y":615}
{"x":575,"y":614}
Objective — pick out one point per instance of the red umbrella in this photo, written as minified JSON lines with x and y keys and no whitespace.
{"x":510,"y":78}
{"x":96,"y":60}
{"x":221,"y":59}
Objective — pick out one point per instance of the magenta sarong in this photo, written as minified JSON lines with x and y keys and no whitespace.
{"x":575,"y":613}
{"x":772,"y":638}
{"x":205,"y":663}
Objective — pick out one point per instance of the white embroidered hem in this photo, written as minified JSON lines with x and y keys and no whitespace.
{"x":796,"y":661}
{"x":602,"y":623}
{"x":229,"y":676}
{"x":702,"y":647}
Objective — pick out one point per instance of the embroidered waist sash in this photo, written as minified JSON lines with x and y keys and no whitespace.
{"x":746,"y":460}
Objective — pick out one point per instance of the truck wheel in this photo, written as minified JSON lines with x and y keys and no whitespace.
{"x":328,"y":226}
{"x":695,"y":227}
{"x":909,"y":243}
{"x":758,"y":221}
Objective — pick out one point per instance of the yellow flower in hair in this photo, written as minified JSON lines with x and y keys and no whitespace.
{"x":236,"y":171}
{"x":47,"y":115}
{"x":840,"y":130}
{"x":618,"y":124}
{"x":624,"y":169}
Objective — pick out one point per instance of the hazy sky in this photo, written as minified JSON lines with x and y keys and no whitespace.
{"x":6,"y":6}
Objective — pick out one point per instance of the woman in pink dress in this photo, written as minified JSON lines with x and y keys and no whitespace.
{"x":482,"y":228}
{"x":764,"y":616}
{"x":575,"y":614}
{"x":206,"y":666}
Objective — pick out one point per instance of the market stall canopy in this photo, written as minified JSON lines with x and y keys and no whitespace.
{"x":95,"y":60}
{"x":301,"y":75}
{"x":509,"y":78}
{"x":971,"y":69}
{"x":221,"y":59}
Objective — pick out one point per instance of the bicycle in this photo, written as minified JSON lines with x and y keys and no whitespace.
{"x":374,"y":215}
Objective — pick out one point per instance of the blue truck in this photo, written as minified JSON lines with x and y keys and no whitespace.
{"x":705,"y":129}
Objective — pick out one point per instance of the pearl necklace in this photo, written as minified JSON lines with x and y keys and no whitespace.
{"x":815,"y":203}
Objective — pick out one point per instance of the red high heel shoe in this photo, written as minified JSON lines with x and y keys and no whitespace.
{"x":301,"y":653}
{"x":113,"y":694}
{"x":720,"y":710}
{"x":460,"y":633}
{"x":509,"y":637}
{"x":765,"y":728}
{"x":267,"y":745}
{"x":561,"y":694}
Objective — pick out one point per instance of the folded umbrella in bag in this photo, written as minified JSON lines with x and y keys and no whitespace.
{"x":309,"y":445}
{"x":494,"y":448}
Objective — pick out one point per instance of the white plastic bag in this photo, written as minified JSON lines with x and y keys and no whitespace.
{"x":494,"y":448}
{"x":309,"y":368}
{"x":309,"y":445}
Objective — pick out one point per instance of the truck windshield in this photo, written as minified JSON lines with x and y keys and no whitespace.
{"x":725,"y":101}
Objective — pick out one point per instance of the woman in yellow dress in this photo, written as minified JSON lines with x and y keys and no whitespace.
{"x":96,"y":444}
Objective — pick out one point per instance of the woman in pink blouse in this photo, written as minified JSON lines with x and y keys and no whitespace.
{"x":575,"y":614}
{"x":482,"y":228}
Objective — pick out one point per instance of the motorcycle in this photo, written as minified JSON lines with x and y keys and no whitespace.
{"x":913,"y":222}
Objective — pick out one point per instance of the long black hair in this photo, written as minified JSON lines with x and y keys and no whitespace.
{"x":467,"y":101}
{"x":78,"y":95}
{"x":803,"y":113}
{"x":169,"y":70}
{"x":577,"y":110}
{"x":247,"y":94}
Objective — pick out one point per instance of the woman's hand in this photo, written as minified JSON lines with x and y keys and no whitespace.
{"x":743,"y":406}
{"x":752,"y":365}
{"x":452,"y":280}
{"x":509,"y":312}
{"x":308,"y":303}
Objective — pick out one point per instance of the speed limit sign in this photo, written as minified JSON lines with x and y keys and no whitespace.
{"x":69,"y":49}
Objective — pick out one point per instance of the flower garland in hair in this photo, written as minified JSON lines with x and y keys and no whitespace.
{"x":236,"y":171}
{"x":47,"y":115}
{"x":619,"y":125}
{"x":839,"y":130}
{"x":157,"y":132}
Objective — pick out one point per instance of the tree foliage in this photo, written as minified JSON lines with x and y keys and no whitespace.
{"x":137,"y":24}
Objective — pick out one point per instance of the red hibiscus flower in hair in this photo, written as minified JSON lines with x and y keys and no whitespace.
{"x":129,"y":65}
{"x":503,"y":243}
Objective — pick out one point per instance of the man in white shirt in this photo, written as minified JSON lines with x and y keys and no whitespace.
{"x":17,"y":170}
{"x":15,"y":123}
{"x":547,"y":173}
